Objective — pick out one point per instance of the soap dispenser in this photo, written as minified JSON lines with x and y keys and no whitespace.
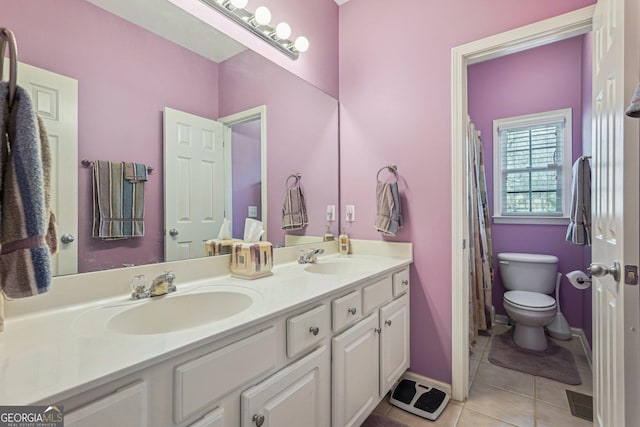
{"x":343,"y":243}
{"x":328,"y":236}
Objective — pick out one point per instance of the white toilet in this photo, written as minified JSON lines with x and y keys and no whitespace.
{"x":528,"y":278}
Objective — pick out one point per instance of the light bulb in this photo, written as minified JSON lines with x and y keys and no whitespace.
{"x":239,"y":4}
{"x":283,"y":31}
{"x":262,"y":16}
{"x":301,"y":44}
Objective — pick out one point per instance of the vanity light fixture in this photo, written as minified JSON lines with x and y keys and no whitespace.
{"x":258,"y":23}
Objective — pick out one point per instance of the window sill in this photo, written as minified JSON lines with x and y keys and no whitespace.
{"x":531,"y":220}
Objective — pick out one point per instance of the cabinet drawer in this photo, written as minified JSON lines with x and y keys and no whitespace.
{"x":125,"y":407}
{"x":202,"y":381}
{"x":400,"y":282}
{"x":307,"y":329}
{"x":373,"y":296}
{"x":212,"y":419}
{"x":346,"y":310}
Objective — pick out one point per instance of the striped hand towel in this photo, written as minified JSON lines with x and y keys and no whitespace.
{"x":25,"y":262}
{"x":294,"y":209}
{"x":118,"y":204}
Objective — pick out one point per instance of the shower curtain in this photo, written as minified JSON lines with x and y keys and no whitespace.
{"x":480,"y":251}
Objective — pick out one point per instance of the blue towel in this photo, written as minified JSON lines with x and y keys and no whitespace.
{"x":25,"y":260}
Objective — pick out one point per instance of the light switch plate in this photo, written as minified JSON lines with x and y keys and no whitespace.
{"x":252,"y":211}
{"x":350,"y":213}
{"x":331,"y":212}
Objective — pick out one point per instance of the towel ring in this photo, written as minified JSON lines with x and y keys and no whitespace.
{"x":392,"y":168}
{"x":7,"y":36}
{"x":295,"y":176}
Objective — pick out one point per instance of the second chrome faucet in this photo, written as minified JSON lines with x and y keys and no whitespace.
{"x":161,"y":285}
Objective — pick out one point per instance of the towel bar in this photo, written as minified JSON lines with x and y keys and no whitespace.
{"x":88,"y":163}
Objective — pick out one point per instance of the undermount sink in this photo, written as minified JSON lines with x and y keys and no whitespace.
{"x":338,"y":266}
{"x":169,"y":313}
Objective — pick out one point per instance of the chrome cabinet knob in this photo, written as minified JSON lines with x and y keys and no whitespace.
{"x":405,"y":282}
{"x":352,"y":311}
{"x":377,"y":330}
{"x":67,"y":238}
{"x":601,"y":270}
{"x":314,"y":330}
{"x":387,"y":322}
{"x":173,"y":232}
{"x":258,"y":419}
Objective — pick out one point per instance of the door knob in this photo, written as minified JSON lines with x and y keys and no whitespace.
{"x":173,"y":232}
{"x":67,"y":238}
{"x":601,"y":270}
{"x":258,"y":419}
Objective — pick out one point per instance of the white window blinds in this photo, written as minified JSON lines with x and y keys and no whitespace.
{"x":532,"y":166}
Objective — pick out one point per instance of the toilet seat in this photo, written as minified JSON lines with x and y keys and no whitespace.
{"x":532,"y":301}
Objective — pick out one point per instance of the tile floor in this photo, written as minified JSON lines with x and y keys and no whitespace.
{"x":501,"y":397}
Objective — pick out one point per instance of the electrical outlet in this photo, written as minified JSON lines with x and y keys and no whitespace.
{"x":350,"y":213}
{"x":252,"y":211}
{"x":331,"y":212}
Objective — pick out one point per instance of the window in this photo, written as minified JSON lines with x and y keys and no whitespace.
{"x":532,"y":168}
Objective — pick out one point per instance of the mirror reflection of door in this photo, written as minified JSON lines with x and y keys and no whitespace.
{"x":194,"y":188}
{"x":246,"y":175}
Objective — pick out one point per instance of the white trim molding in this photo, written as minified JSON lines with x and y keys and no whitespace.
{"x":537,"y":34}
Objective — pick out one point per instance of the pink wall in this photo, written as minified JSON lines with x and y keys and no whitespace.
{"x":317,"y":20}
{"x":302,"y":130}
{"x":246,"y":170}
{"x":542,"y":79}
{"x":395,"y":99}
{"x":125,"y":79}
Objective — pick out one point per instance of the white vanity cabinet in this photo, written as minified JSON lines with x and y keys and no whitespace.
{"x":324,"y":363}
{"x":370,"y":357}
{"x":126,"y":407}
{"x":296,"y":396}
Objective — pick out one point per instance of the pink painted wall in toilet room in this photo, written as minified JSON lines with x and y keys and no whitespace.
{"x":542,"y":79}
{"x":395,"y":97}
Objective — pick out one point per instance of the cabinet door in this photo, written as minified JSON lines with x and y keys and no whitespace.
{"x":355,"y":372}
{"x":394,"y":342}
{"x":298,"y":395}
{"x":126,"y":407}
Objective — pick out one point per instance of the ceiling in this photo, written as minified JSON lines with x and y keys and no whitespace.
{"x":169,"y":21}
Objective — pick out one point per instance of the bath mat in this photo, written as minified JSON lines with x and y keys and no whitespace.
{"x":555,"y":362}
{"x":581,"y":405}
{"x":376,"y":420}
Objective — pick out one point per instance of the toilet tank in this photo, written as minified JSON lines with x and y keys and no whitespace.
{"x":528,"y":272}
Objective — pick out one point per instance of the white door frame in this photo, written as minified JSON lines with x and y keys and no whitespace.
{"x":255,"y":113}
{"x":537,"y":34}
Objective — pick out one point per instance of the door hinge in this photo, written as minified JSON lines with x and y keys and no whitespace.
{"x":631,"y":274}
{"x":464,"y":244}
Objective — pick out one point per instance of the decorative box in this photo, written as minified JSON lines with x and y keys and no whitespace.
{"x":251,"y":260}
{"x":219,"y":246}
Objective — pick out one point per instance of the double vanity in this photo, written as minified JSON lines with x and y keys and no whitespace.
{"x":316,"y":344}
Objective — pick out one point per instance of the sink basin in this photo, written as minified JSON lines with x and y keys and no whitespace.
{"x":175,"y":312}
{"x":338,"y":266}
{"x":180,"y":311}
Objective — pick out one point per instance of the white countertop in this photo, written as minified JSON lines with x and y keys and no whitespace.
{"x":50,"y":355}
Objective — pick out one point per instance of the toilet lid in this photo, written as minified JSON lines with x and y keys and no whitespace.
{"x":533,"y":300}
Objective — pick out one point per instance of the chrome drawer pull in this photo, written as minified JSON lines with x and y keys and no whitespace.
{"x":314,"y":330}
{"x":352,"y":311}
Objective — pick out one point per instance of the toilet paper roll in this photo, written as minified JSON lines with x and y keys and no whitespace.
{"x":579,"y":279}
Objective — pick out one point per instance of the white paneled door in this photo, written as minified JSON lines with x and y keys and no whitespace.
{"x":193,"y":183}
{"x":616,"y":355}
{"x":55,"y":98}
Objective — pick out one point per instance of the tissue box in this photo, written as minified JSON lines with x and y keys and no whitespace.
{"x":251,"y":260}
{"x":219,"y":246}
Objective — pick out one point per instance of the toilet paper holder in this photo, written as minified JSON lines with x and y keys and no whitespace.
{"x":582,"y":280}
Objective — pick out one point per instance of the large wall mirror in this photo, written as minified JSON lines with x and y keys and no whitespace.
{"x":138,"y":58}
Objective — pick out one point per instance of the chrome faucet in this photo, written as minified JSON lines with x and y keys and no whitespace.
{"x":309,"y":256}
{"x":161,"y":285}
